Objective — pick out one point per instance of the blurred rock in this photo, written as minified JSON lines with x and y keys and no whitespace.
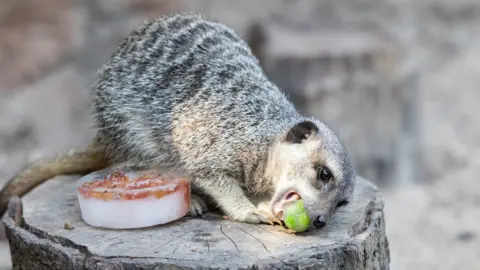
{"x":466,"y":236}
{"x":153,"y":8}
{"x":343,"y":75}
{"x":36,"y":36}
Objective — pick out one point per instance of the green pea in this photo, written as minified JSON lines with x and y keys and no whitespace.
{"x":296,"y":218}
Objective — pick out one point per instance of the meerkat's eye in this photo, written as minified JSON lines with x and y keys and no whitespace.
{"x":324,"y":174}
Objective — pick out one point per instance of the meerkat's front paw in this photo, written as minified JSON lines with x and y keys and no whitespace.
{"x":270,"y":218}
{"x":198,"y":206}
{"x":256,"y":216}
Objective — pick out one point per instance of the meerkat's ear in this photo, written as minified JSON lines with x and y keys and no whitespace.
{"x":301,"y":131}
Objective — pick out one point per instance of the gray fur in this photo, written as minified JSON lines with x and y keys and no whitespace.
{"x":184,"y":91}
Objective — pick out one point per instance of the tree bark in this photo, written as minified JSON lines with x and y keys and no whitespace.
{"x":46,"y":231}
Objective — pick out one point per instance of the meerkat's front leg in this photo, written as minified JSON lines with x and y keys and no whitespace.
{"x":229,"y":196}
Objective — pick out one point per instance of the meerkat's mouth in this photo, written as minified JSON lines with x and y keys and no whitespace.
{"x":288,"y":197}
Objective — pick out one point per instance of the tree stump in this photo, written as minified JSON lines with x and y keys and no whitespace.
{"x":46,"y":231}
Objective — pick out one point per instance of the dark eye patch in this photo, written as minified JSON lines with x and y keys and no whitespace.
{"x":342,"y":203}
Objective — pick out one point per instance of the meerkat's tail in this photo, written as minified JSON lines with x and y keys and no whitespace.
{"x":76,"y":161}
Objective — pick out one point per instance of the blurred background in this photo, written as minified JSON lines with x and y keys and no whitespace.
{"x":397,"y":79}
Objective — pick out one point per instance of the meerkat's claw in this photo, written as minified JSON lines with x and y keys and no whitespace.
{"x":285,"y":230}
{"x":198,"y":206}
{"x":271,"y":219}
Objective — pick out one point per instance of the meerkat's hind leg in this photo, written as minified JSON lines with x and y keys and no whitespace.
{"x":198,"y":206}
{"x":229,"y":196}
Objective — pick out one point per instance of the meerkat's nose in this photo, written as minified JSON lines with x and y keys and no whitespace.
{"x":288,"y":197}
{"x":319,"y":222}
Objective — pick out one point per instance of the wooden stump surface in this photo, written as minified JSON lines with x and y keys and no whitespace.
{"x":354,"y":239}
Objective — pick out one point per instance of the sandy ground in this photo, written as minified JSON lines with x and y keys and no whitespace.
{"x":429,"y":226}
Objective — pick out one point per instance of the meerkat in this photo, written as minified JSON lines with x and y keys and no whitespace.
{"x":186,"y":91}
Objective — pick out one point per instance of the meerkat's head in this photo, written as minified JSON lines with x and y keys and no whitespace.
{"x":310,"y":162}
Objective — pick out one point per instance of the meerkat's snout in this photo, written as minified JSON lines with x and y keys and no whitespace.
{"x":320,"y":221}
